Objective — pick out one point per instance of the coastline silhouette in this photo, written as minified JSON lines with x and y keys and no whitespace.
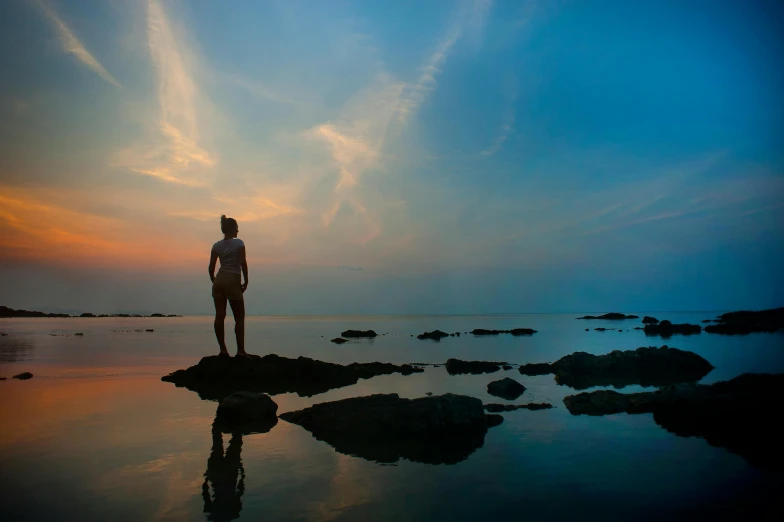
{"x":227,"y":284}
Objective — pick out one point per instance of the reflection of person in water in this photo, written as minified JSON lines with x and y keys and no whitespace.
{"x":227,"y":476}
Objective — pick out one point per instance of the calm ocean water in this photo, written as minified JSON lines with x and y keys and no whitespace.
{"x":96,"y":435}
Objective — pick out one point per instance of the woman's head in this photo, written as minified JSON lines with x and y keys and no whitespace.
{"x":229,"y":226}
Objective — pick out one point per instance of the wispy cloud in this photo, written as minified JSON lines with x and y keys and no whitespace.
{"x":178,"y":156}
{"x":71,"y":43}
{"x":471,"y":14}
{"x":507,"y":127}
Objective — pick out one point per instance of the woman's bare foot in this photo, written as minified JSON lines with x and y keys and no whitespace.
{"x":244,"y":355}
{"x":224,"y":353}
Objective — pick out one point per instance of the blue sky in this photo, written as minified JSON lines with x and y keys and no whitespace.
{"x":394,"y":157}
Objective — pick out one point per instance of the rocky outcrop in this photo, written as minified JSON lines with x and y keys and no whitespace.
{"x":506,"y":388}
{"x":359,"y":333}
{"x":23,"y":376}
{"x":535,"y":369}
{"x":613,"y":316}
{"x":435,"y":335}
{"x":338,"y":340}
{"x":667,"y":329}
{"x":734,"y":323}
{"x":497,"y":408}
{"x":741,"y":414}
{"x":514,"y":331}
{"x":216,"y":377}
{"x":644,"y":366}
{"x":649,"y":320}
{"x":244,"y":406}
{"x":456,"y":366}
{"x":443,"y":429}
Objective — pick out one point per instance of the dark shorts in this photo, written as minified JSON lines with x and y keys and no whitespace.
{"x":227,"y":286}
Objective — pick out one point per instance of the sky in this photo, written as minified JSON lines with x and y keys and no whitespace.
{"x":471,"y":156}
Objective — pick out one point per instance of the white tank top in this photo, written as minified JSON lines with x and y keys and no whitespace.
{"x":228,"y":252}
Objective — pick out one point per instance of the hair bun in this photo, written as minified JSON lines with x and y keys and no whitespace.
{"x":223,"y":218}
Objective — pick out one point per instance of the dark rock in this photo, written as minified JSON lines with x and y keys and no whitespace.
{"x":435,"y":335}
{"x":707,"y":320}
{"x":429,"y":394}
{"x":88,"y":314}
{"x":338,"y":340}
{"x":456,"y":366}
{"x":649,"y":320}
{"x":443,"y":429}
{"x":741,"y":414}
{"x":506,"y":388}
{"x":613,"y":316}
{"x":639,"y":328}
{"x":587,"y":329}
{"x":2,"y":378}
{"x":157,"y":315}
{"x":23,"y":376}
{"x":602,"y":329}
{"x":359,"y":333}
{"x":497,"y":408}
{"x":79,"y":334}
{"x":457,"y":334}
{"x":514,"y":331}
{"x":644,"y":366}
{"x":666,"y":329}
{"x":506,"y":367}
{"x":535,"y":369}
{"x":244,"y":406}
{"x":216,"y":377}
{"x":494,"y":420}
{"x":734,"y":323}
{"x":10,"y":312}
{"x":149,"y":330}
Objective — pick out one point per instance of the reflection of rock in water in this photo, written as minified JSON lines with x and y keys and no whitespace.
{"x":225,"y":472}
{"x":217,"y":377}
{"x":444,"y":429}
{"x":741,"y":415}
{"x":13,"y":349}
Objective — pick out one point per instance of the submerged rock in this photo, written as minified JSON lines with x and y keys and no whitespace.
{"x":741,"y":415}
{"x":23,"y":376}
{"x":506,"y":367}
{"x":359,"y":333}
{"x":734,"y":323}
{"x":216,"y":377}
{"x":496,"y":408}
{"x":80,"y":334}
{"x":244,"y":406}
{"x":338,"y":340}
{"x":435,"y":335}
{"x":667,"y":329}
{"x":613,"y":316}
{"x":443,"y":429}
{"x":514,"y":331}
{"x":506,"y":388}
{"x":649,"y":320}
{"x":456,"y":366}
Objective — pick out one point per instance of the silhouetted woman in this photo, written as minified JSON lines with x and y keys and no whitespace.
{"x":227,"y":284}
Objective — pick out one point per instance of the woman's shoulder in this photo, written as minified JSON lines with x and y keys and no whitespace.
{"x":237,"y":241}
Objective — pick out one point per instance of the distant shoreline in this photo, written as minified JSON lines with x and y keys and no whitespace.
{"x":10,"y":313}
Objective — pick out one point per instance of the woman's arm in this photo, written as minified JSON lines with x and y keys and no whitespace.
{"x":244,"y":264}
{"x":213,"y":261}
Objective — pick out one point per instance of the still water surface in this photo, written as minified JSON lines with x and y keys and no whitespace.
{"x":96,"y":435}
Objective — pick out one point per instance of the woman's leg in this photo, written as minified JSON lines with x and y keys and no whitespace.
{"x":238,"y":309}
{"x":220,"y":315}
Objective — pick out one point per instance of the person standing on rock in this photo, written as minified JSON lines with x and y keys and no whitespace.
{"x":227,"y":285}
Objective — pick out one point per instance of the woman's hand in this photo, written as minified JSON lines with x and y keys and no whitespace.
{"x":244,"y":286}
